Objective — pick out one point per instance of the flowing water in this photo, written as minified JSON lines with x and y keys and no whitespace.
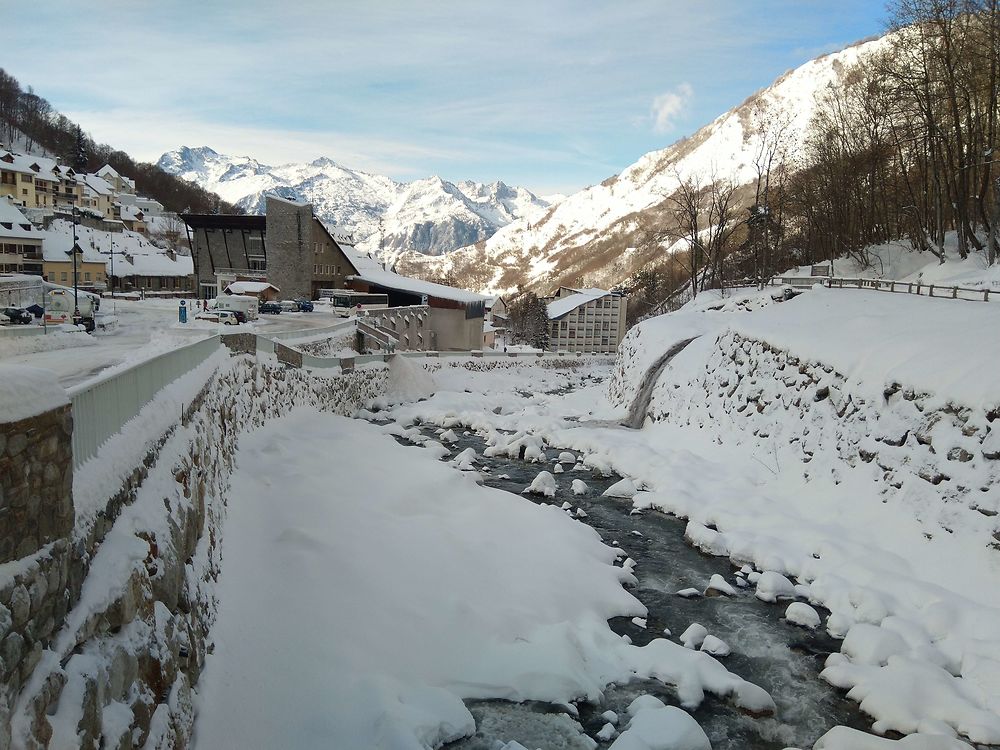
{"x":783,"y":659}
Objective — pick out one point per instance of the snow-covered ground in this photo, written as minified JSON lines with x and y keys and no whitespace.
{"x":143,"y":329}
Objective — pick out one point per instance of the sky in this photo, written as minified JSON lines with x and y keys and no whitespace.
{"x":554,"y":96}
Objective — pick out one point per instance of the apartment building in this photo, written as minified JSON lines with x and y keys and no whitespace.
{"x":20,"y":241}
{"x":586,"y":320}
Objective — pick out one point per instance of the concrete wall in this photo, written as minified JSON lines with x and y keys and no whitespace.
{"x":290,"y":247}
{"x":454,"y":332}
{"x":410,"y":325}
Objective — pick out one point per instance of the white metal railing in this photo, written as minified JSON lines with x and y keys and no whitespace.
{"x":103,"y":406}
{"x":317,"y":332}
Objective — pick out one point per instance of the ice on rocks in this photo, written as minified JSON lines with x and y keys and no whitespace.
{"x":567,"y":458}
{"x":558,"y":469}
{"x":800,"y":613}
{"x":639,"y":622}
{"x":689,"y":593}
{"x":543,"y":484}
{"x":772,"y":586}
{"x":580,"y":487}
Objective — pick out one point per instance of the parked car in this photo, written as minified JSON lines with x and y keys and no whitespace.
{"x":304,"y":305}
{"x":4,"y":320}
{"x":36,"y":310}
{"x":271,"y":308}
{"x":289,"y":305}
{"x":17,"y":315}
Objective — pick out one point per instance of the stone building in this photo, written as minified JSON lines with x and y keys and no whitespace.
{"x":288,"y":247}
{"x":586,"y":320}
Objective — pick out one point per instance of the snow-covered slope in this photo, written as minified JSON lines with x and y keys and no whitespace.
{"x":592,"y":237}
{"x":431,"y":216}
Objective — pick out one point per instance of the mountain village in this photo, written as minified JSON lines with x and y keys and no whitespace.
{"x":702,"y":456}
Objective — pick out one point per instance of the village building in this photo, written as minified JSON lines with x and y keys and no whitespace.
{"x":37,"y":182}
{"x":152,"y":272}
{"x":262,"y":291}
{"x":20,"y":241}
{"x":586,"y":320}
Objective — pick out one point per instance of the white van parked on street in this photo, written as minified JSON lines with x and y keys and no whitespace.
{"x":244,"y":303}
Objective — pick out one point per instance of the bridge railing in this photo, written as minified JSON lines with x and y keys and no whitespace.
{"x":102,"y":407}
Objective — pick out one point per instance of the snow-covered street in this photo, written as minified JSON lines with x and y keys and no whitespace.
{"x":143,"y":329}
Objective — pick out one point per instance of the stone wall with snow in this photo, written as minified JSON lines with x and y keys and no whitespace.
{"x":107,"y":627}
{"x":940,"y":458}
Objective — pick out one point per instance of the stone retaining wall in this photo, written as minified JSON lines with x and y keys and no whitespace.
{"x":138,"y":650}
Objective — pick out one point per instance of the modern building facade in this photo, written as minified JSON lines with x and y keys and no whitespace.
{"x":586,"y":320}
{"x":287,"y":246}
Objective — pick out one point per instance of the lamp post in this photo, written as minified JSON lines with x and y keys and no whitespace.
{"x":76,"y":280}
{"x":111,"y":279}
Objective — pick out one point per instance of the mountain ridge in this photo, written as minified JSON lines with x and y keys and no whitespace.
{"x":430,"y":215}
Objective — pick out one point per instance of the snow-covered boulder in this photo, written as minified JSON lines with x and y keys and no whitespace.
{"x":689,"y":593}
{"x":715,"y":646}
{"x":870,"y":644}
{"x":624,"y":488}
{"x":719,"y":585}
{"x":607,"y":732}
{"x":664,"y":728}
{"x":543,"y":484}
{"x":567,"y":458}
{"x":772,"y":586}
{"x":845,"y":738}
{"x":800,"y":613}
{"x":558,"y":469}
{"x":449,"y":436}
{"x":580,"y":513}
{"x":694,"y":636}
{"x":466,"y":460}
{"x":580,"y":487}
{"x":644,"y":703}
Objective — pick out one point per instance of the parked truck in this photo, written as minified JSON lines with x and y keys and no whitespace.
{"x":59,"y":307}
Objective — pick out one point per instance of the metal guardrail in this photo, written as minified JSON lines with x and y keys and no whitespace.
{"x":103,"y":406}
{"x":939,"y":291}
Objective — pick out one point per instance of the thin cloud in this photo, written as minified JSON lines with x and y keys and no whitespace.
{"x":669,"y":106}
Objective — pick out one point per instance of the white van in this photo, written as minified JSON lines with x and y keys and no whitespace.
{"x":242,"y":302}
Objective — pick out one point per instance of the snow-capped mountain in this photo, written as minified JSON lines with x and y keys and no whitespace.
{"x":431,"y":216}
{"x":593,"y":237}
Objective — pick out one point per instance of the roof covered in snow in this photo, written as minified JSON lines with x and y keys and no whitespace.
{"x":153,"y":264}
{"x":390,"y":280}
{"x":14,"y":224}
{"x":564,"y":305}
{"x":250,"y":287}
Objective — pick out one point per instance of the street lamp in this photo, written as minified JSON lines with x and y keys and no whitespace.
{"x":76,"y":283}
{"x":114,"y":302}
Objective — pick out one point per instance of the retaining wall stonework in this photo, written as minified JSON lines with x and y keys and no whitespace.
{"x":104,"y":630}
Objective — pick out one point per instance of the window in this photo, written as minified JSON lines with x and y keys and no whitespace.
{"x":64,"y":276}
{"x":86,"y":276}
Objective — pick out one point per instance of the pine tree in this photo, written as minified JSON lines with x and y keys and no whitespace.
{"x":80,"y":159}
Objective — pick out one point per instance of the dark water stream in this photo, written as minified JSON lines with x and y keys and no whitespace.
{"x":783,"y":659}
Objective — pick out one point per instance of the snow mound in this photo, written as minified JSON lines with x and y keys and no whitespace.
{"x":845,"y":738}
{"x":694,"y":635}
{"x":720,"y":585}
{"x":408,"y":381}
{"x":715,"y":646}
{"x":580,"y":487}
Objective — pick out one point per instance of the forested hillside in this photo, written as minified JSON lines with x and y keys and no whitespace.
{"x":30,"y":119}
